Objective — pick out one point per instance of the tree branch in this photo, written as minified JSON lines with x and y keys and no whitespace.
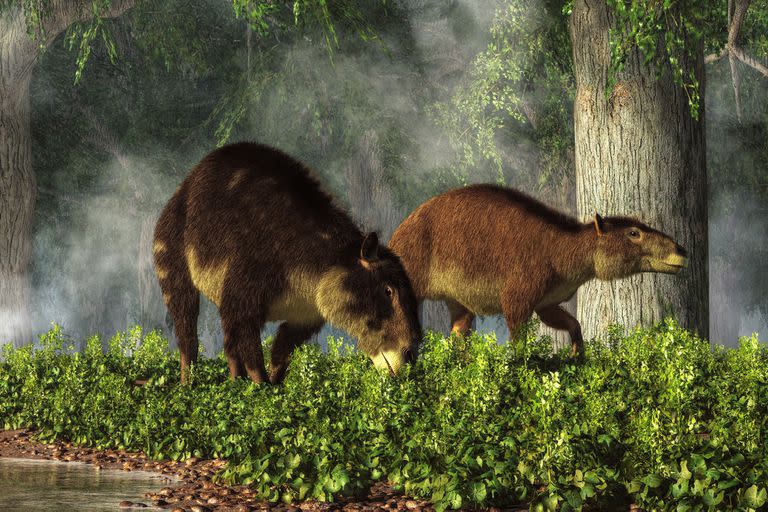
{"x":737,"y":11}
{"x":714,"y":57}
{"x":66,"y":12}
{"x":736,"y":82}
{"x":750,"y":61}
{"x":104,"y":137}
{"x":93,"y":201}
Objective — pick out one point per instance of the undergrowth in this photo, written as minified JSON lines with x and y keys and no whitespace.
{"x":656,"y":417}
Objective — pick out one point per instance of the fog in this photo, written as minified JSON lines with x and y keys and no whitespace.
{"x":363,"y":119}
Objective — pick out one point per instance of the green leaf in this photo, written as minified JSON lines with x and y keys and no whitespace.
{"x":653,"y":480}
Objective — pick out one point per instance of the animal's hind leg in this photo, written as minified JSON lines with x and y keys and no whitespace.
{"x":558,"y":318}
{"x":288,"y":337}
{"x":183,"y":302}
{"x":242,"y":346}
{"x":461,"y":318}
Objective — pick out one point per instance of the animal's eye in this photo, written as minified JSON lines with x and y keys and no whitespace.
{"x":634,"y":233}
{"x":389,"y":290}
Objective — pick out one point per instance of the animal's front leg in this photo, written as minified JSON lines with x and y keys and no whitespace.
{"x":461,"y":318}
{"x":558,"y":318}
{"x":242,"y":346}
{"x":288,"y":337}
{"x":518,"y":298}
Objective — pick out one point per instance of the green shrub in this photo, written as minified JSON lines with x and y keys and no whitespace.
{"x":654,"y":417}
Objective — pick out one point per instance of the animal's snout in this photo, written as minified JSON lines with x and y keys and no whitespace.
{"x":681,"y":250}
{"x":409,"y":355}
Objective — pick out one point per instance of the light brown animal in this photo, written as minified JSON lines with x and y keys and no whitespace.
{"x":487,"y":250}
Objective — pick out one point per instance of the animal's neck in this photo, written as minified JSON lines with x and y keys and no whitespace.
{"x":575,"y":258}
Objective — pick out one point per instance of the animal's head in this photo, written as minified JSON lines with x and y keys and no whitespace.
{"x":372,"y":299}
{"x":626,"y":246}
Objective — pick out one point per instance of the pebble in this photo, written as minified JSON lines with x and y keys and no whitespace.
{"x":178,"y":509}
{"x":213,"y":500}
{"x":165,"y":491}
{"x":411,"y":505}
{"x":242,"y":508}
{"x":199,"y":508}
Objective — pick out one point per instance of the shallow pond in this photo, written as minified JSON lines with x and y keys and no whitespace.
{"x":36,"y":485}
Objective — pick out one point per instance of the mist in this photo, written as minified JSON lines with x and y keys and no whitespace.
{"x":363,"y":117}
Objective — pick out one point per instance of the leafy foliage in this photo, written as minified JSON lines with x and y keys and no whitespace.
{"x":519,"y":88}
{"x":655,"y":417}
{"x":667,"y":34}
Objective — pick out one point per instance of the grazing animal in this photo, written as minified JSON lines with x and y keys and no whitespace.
{"x":487,"y":249}
{"x":253,"y":230}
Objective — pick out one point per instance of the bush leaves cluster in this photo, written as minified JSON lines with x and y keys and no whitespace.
{"x":656,"y":417}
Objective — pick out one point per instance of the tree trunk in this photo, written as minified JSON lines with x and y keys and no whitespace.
{"x":640,"y":153}
{"x":17,"y":182}
{"x":370,"y":198}
{"x":18,"y":52}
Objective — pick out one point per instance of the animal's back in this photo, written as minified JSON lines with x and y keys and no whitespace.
{"x":250,"y":220}
{"x":259,"y":202}
{"x":468,"y":240}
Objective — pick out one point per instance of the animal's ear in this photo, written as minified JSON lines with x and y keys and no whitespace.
{"x":599,"y":224}
{"x":369,"y":251}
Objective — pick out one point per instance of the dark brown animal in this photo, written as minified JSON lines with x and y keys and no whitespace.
{"x":486,"y":250}
{"x":254,"y":231}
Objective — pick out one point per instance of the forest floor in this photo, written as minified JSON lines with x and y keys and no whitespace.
{"x":190,"y":484}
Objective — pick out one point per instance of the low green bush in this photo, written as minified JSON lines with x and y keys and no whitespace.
{"x":656,"y":417}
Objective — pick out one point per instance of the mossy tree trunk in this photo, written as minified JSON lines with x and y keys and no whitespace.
{"x":639,"y":152}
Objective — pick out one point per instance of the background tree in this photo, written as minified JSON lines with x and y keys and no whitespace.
{"x":640,"y":149}
{"x":26,"y":28}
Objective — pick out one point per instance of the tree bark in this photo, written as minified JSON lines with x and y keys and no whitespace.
{"x":17,"y":182}
{"x":18,"y":52}
{"x":370,"y":198}
{"x":640,"y":153}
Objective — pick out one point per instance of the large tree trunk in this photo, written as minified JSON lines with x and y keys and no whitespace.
{"x":18,"y":52}
{"x":639,"y":152}
{"x":17,"y":182}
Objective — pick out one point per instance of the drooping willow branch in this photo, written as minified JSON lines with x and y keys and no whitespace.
{"x":737,"y":11}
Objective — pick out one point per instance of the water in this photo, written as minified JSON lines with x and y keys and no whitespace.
{"x":37,"y":485}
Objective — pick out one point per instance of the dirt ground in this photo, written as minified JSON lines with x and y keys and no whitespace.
{"x":190,"y":487}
